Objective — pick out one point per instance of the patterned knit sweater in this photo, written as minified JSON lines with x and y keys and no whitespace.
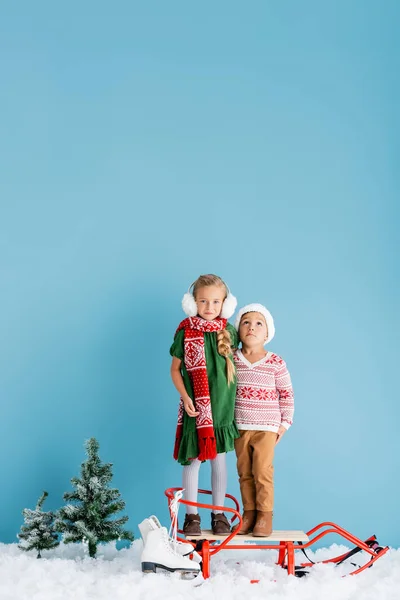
{"x":264,"y":397}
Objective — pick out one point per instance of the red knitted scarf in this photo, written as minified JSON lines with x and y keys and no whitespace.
{"x":195,"y":363}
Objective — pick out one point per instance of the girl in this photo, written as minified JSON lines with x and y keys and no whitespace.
{"x":264,"y":412}
{"x":203,"y":372}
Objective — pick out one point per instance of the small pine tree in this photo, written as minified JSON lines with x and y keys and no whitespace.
{"x":87,"y":518}
{"x":38,"y":533}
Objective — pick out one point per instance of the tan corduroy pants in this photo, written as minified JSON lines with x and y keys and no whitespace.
{"x":255,"y":455}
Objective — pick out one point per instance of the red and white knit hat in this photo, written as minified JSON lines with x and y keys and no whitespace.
{"x":263,"y":311}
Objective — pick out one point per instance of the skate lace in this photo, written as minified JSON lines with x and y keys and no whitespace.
{"x":174,"y":508}
{"x":166,"y":540}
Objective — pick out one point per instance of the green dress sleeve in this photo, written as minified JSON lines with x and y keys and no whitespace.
{"x":234,"y":335}
{"x":177,"y":348}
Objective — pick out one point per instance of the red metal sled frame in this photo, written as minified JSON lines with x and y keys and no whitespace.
{"x":286,"y":549}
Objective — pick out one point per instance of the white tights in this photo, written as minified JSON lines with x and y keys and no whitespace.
{"x":218,"y":481}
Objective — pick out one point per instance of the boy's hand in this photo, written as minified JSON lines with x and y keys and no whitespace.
{"x":189,"y":407}
{"x":281,"y":432}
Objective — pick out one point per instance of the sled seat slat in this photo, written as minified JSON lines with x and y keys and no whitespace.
{"x":276,"y":536}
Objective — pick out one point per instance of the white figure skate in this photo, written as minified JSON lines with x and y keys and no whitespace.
{"x":182,"y":548}
{"x":158,"y":553}
{"x":152,"y":523}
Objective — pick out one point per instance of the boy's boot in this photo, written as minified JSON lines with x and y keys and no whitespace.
{"x":152,"y":523}
{"x":248,"y":521}
{"x":263,"y":526}
{"x":158,"y":553}
{"x":220,"y":524}
{"x":191,"y":525}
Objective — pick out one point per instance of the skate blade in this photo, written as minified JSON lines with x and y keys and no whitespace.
{"x":149,"y":567}
{"x":190,"y":575}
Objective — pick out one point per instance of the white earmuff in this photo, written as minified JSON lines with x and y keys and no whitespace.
{"x":229,"y":306}
{"x":190,"y":307}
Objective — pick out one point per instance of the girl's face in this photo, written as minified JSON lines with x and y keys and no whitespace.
{"x":209,"y":300}
{"x":253,"y":329}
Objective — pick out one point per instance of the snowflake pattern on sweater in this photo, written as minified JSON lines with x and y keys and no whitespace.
{"x":264,"y":397}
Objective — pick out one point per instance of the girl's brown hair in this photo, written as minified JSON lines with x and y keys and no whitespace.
{"x":223,"y":337}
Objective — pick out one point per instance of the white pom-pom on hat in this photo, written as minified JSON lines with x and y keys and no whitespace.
{"x":263,"y":311}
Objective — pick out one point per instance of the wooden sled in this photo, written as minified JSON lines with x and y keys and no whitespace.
{"x":285,"y":542}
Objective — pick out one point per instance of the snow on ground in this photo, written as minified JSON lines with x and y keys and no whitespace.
{"x":68,"y":573}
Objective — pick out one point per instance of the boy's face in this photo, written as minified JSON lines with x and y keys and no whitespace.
{"x":253,"y":329}
{"x":209,"y":301}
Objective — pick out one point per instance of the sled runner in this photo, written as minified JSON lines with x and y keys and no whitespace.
{"x":285,"y":542}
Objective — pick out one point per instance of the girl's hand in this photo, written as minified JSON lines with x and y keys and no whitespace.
{"x":281,"y":432}
{"x":189,"y":407}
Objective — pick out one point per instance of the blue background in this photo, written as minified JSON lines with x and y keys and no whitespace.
{"x":145,"y":143}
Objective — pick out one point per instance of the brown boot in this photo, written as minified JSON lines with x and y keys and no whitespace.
{"x":220,"y":524}
{"x":248,"y":520}
{"x":191,"y":525}
{"x":263,"y":526}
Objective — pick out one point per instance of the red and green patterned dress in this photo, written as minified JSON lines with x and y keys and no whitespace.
{"x":222,"y":397}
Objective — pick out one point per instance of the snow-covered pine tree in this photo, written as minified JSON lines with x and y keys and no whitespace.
{"x":38,"y":532}
{"x":88,"y":517}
